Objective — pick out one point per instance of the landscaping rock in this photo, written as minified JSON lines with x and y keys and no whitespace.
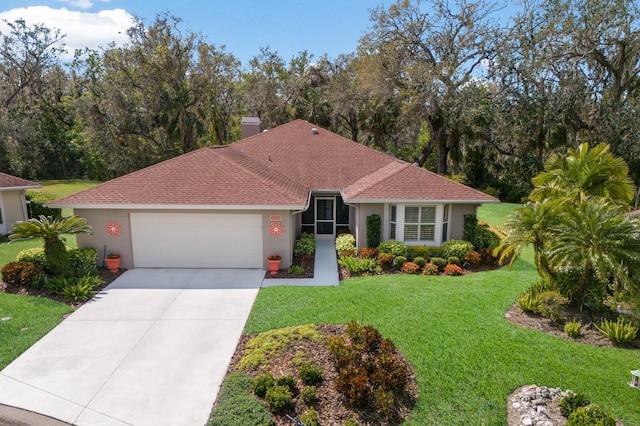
{"x":533,"y":405}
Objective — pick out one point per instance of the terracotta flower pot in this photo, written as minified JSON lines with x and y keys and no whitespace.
{"x":274,"y":265}
{"x":113,"y":264}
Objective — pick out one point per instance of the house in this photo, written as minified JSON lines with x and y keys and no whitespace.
{"x":13,"y":205}
{"x":232,"y":206}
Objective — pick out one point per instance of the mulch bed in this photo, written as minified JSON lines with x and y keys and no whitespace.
{"x":284,"y":273}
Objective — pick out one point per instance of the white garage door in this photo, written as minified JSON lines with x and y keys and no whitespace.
{"x":184,"y":240}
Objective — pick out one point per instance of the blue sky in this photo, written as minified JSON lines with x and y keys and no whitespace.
{"x":243,"y":26}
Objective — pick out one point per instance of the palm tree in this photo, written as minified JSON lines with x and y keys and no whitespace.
{"x":585,"y":172}
{"x":50,"y":229}
{"x":599,"y":240}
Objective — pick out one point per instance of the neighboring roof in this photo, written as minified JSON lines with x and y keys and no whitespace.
{"x":9,"y":182}
{"x":278,"y":168}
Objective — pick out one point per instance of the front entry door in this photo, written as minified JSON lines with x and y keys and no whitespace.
{"x":325,"y":216}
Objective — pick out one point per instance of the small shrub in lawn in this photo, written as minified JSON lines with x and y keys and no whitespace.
{"x":420,"y":261}
{"x":287,"y":380}
{"x":529,"y":302}
{"x":309,"y":395}
{"x":572,"y":328}
{"x":310,"y":374}
{"x":396,"y":248}
{"x":430,"y":269}
{"x":620,"y":331}
{"x":310,"y":417}
{"x":591,"y":415}
{"x":552,"y":304}
{"x":571,"y":402}
{"x":279,"y":399}
{"x":345,"y":242}
{"x":472,"y":258}
{"x":20,"y":274}
{"x":439,"y":262}
{"x":453,"y":270}
{"x":236,"y":406}
{"x":305,"y":246}
{"x":369,"y":253}
{"x":410,"y":268}
{"x":296,"y":270}
{"x":454,"y":260}
{"x":385,"y":260}
{"x":262,"y":384}
{"x":399,"y":261}
{"x":456,"y":248}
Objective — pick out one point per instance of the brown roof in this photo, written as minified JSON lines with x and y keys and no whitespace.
{"x":278,"y":167}
{"x":13,"y":182}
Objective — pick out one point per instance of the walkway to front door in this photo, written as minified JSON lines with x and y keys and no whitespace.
{"x":325,"y":271}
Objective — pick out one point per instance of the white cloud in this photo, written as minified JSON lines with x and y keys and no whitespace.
{"x":82,"y":4}
{"x":82,"y":29}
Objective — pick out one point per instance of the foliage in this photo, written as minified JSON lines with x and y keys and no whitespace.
{"x":345,"y":242}
{"x":398,"y":261}
{"x":529,"y":302}
{"x":423,"y":251}
{"x":357,"y":265}
{"x":430,"y":269}
{"x":591,"y":415}
{"x":456,"y":248}
{"x":83,"y":261}
{"x":369,"y":253}
{"x":439,"y":262}
{"x":572,"y":328}
{"x":552,"y":305}
{"x":309,"y":394}
{"x":620,"y":331}
{"x":472,"y":258}
{"x":287,"y":380}
{"x":396,"y":248}
{"x":374,"y":230}
{"x":385,"y":260}
{"x":454,"y":260}
{"x":35,"y":255}
{"x":350,"y":422}
{"x":420,"y":261}
{"x":310,"y":374}
{"x":571,"y":402}
{"x":296,"y":270}
{"x":77,"y":291}
{"x":310,"y":417}
{"x":20,"y":274}
{"x":261,"y":384}
{"x":279,"y":399}
{"x":453,"y":270}
{"x":305,"y":245}
{"x":36,"y":203}
{"x":410,"y":268}
{"x":236,"y":406}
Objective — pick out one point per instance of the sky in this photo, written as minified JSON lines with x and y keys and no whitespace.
{"x":288,"y":27}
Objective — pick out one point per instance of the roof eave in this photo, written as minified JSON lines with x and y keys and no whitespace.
{"x":18,"y":188}
{"x":414,"y":201}
{"x":174,"y":206}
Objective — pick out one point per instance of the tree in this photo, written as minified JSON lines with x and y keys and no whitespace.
{"x":50,"y":229}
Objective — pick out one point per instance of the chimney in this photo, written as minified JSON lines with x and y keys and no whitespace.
{"x":250,"y":126}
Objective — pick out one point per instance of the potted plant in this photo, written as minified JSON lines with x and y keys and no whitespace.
{"x":113,"y":262}
{"x":274,"y":263}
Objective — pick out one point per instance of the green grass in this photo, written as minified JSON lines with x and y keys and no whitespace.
{"x":62,"y":188}
{"x":496,"y":214}
{"x":30,"y":318}
{"x":9,"y":251}
{"x":466,"y":355}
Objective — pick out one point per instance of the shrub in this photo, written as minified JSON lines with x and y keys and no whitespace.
{"x":350,"y":422}
{"x":470,"y":222}
{"x":396,"y":248}
{"x":36,"y":204}
{"x":305,"y":246}
{"x":487,"y":257}
{"x":385,"y":402}
{"x":345,"y":242}
{"x":430,"y":269}
{"x":591,"y":415}
{"x":452,"y":270}
{"x":456,"y":248}
{"x":374,"y":230}
{"x":472,"y":258}
{"x":385,"y":260}
{"x":454,"y":260}
{"x":552,"y":304}
{"x":57,"y":284}
{"x":485,"y":238}
{"x":439,"y":262}
{"x":20,"y":274}
{"x":309,"y":394}
{"x":310,"y":374}
{"x":369,"y":253}
{"x":262,"y":384}
{"x":426,"y":252}
{"x":420,"y":261}
{"x":356,"y":265}
{"x":621,"y":331}
{"x":572,"y":328}
{"x":279,"y":399}
{"x":310,"y":417}
{"x":352,"y":252}
{"x":35,"y":255}
{"x":83,"y":261}
{"x":296,"y":270}
{"x":236,"y":406}
{"x":529,"y":302}
{"x":399,"y":261}
{"x":410,"y":268}
{"x":77,"y":291}
{"x":571,"y":402}
{"x":287,"y":380}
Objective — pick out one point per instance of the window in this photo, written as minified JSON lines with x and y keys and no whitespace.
{"x":445,"y":223}
{"x":392,"y":222}
{"x":419,"y":223}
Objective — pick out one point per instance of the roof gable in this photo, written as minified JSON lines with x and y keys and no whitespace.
{"x":14,"y":182}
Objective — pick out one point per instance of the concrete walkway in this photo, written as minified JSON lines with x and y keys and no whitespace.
{"x":150,"y":349}
{"x":325,"y":270}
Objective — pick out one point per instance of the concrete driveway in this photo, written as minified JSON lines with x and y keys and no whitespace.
{"x":150,"y":349}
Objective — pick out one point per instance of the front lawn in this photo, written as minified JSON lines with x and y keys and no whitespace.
{"x":23,"y":321}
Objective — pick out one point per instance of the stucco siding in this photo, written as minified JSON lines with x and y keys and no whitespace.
{"x":457,"y":219}
{"x":14,"y":209}
{"x":363,"y":211}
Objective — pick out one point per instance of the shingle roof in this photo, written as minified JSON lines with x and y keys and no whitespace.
{"x":13,"y":182}
{"x":278,"y":167}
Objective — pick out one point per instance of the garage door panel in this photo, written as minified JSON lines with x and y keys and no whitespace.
{"x":170,"y":240}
